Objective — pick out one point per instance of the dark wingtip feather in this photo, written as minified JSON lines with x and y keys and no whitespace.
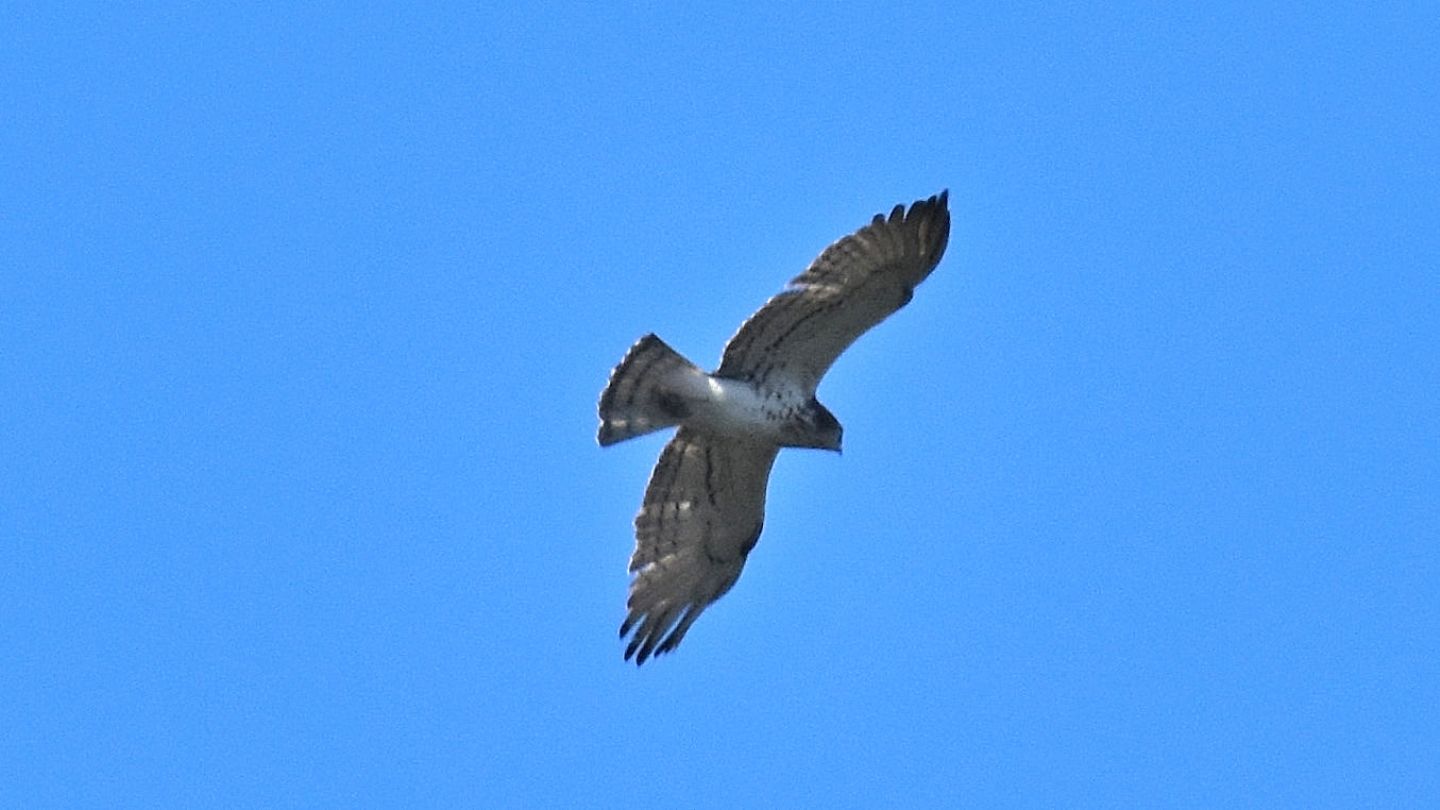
{"x":659,"y":633}
{"x":939,"y":201}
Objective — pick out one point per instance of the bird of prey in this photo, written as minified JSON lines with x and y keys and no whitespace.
{"x":705,"y":503}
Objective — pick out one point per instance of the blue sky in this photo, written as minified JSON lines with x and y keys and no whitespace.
{"x":304,"y":312}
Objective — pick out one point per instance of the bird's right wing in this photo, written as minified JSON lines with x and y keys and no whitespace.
{"x":853,"y":285}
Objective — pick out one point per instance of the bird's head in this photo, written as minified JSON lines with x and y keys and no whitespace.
{"x":817,"y":428}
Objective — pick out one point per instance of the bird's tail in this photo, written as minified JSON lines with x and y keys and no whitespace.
{"x":646,"y":391}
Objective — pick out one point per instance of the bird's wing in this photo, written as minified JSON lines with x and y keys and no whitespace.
{"x":703,"y":511}
{"x":854,"y":284}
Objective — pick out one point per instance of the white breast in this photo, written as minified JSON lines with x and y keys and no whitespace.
{"x":734,"y":407}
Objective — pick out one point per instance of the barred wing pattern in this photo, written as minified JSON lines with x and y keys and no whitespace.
{"x":703,"y":511}
{"x":854,"y":284}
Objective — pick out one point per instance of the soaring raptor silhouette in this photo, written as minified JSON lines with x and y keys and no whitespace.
{"x":705,"y":503}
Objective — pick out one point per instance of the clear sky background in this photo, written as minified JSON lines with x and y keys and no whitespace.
{"x":304,"y":311}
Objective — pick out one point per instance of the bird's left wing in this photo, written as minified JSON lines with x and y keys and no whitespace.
{"x":703,"y":511}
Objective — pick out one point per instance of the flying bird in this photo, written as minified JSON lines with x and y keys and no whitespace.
{"x":705,"y":503}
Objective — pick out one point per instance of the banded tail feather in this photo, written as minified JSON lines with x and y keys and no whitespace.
{"x":644,"y":392}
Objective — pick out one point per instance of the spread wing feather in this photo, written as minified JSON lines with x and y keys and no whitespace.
{"x":703,"y":510}
{"x":854,"y":284}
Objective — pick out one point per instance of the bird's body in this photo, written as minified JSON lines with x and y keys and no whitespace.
{"x":741,"y":409}
{"x":705,"y":503}
{"x":661,"y":389}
